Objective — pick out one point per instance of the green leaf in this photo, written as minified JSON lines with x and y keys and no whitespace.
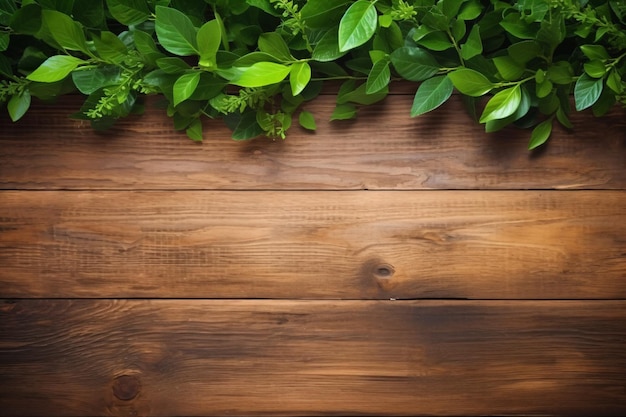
{"x":560,"y":72}
{"x":544,"y":88}
{"x":261,"y":74}
{"x":561,"y":116}
{"x":473,"y":45}
{"x":273,"y":44}
{"x":327,"y":49}
{"x":414,"y":64}
{"x":436,"y":41}
{"x":110,"y":48}
{"x":540,"y":134}
{"x":508,"y":69}
{"x":68,"y":33}
{"x":185,"y":86}
{"x":379,"y":77}
{"x":90,"y":80}
{"x":357,"y":25}
{"x":323,"y":13}
{"x":595,"y":68}
{"x":172,"y":65}
{"x":344,"y":111}
{"x":194,"y":131}
{"x":502,"y":105}
{"x":431,"y":94}
{"x":128,"y":12}
{"x":470,"y":10}
{"x":470,"y":82}
{"x":307,"y":120}
{"x":245,"y":126}
{"x":18,"y":105}
{"x":27,"y":19}
{"x":524,"y":51}
{"x":299,"y":77}
{"x":587,"y":91}
{"x":209,"y":38}
{"x":176,"y":32}
{"x":595,"y":52}
{"x":55,"y":68}
{"x":614,"y":82}
{"x":359,"y":96}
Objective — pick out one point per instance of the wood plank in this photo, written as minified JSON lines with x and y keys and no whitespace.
{"x":384,"y":149}
{"x":220,"y":357}
{"x":314,"y":244}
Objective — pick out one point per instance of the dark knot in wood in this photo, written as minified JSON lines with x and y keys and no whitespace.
{"x":126,"y":387}
{"x":384,"y":271}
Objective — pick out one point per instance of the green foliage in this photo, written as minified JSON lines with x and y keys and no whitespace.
{"x":255,"y":63}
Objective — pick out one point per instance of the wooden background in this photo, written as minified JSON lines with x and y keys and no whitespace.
{"x":388,"y":266}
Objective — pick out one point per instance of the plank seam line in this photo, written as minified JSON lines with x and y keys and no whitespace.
{"x":300,"y":190}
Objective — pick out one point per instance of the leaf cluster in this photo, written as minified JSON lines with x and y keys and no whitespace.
{"x":255,"y":63}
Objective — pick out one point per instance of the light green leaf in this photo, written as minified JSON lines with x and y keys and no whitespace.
{"x":55,"y":68}
{"x":473,"y":45}
{"x":379,"y":77}
{"x":357,"y":25}
{"x":414,"y":64}
{"x":128,"y":12}
{"x":540,"y":134}
{"x":561,"y":116}
{"x":273,"y":44}
{"x":176,"y":32}
{"x":502,"y":105}
{"x":260,"y":74}
{"x":431,"y":94}
{"x":595,"y":68}
{"x":209,"y":38}
{"x":307,"y":120}
{"x":614,"y":81}
{"x":185,"y":86}
{"x":65,"y":31}
{"x":587,"y":91}
{"x":345,"y":111}
{"x":194,"y":131}
{"x":470,"y":82}
{"x":299,"y":77}
{"x":18,"y":105}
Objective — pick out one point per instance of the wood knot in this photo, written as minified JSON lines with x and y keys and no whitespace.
{"x":126,"y":387}
{"x":383,"y":271}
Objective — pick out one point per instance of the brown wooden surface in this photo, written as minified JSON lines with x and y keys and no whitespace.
{"x":144,"y":274}
{"x":383,"y":149}
{"x":322,"y":244}
{"x":186,"y":357}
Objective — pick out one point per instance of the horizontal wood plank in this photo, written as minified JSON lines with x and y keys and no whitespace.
{"x":314,"y":244}
{"x":384,"y":149}
{"x":220,"y":357}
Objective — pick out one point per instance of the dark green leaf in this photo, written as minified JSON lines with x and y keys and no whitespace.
{"x":273,"y":44}
{"x":431,"y":94}
{"x":128,"y":12}
{"x":176,"y":32}
{"x":323,"y":13}
{"x":90,"y":80}
{"x":357,"y":25}
{"x":27,"y":20}
{"x":194,"y":131}
{"x":508,"y":69}
{"x":473,"y":45}
{"x":587,"y":91}
{"x":307,"y":120}
{"x":18,"y":105}
{"x":327,"y":49}
{"x":414,"y":64}
{"x":344,"y":111}
{"x":172,"y":65}
{"x":379,"y":77}
{"x":110,"y":48}
{"x":524,"y":51}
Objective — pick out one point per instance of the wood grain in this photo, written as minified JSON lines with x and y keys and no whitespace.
{"x":384,"y":149}
{"x":324,"y":244}
{"x":270,"y":357}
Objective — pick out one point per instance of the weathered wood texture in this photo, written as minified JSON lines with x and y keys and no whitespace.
{"x":325,"y":244}
{"x":174,"y":357}
{"x":384,"y":149}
